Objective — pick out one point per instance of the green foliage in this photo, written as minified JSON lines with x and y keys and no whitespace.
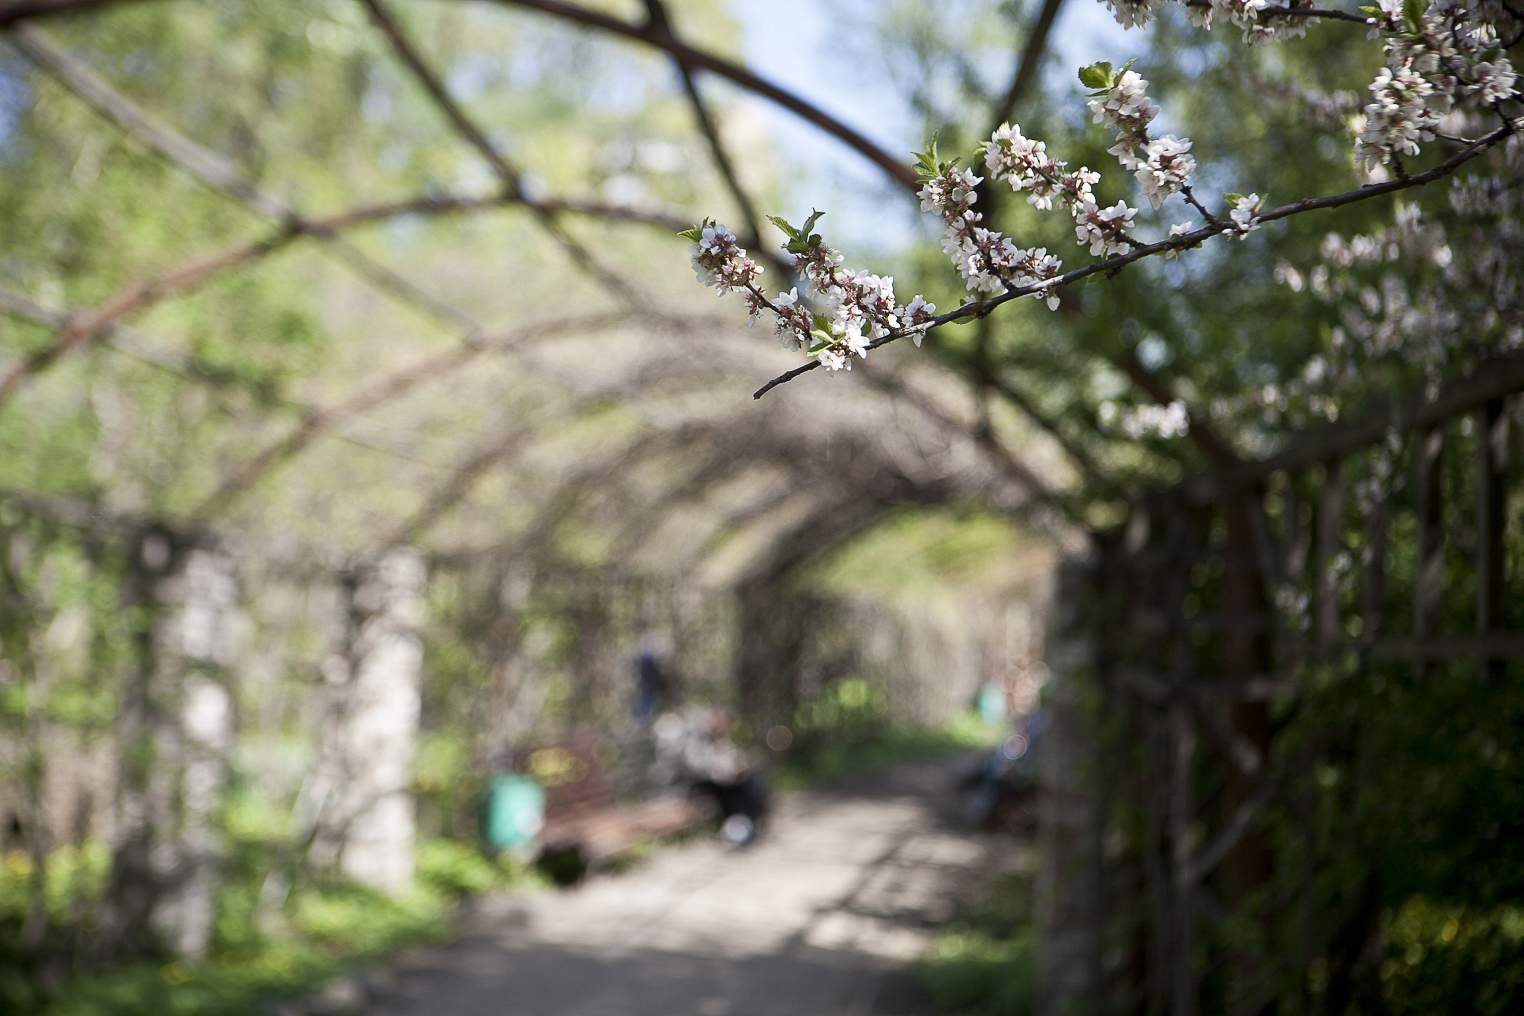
{"x":455,"y":869}
{"x":984,"y":963}
{"x":75,"y":878}
{"x":1453,"y":959}
{"x":929,"y":164}
{"x":333,"y":929}
{"x":1102,"y":77}
{"x":800,"y":239}
{"x":845,"y":733}
{"x":328,"y":928}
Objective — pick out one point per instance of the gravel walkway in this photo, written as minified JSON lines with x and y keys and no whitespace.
{"x":820,"y":918}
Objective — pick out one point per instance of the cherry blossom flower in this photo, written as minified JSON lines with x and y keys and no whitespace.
{"x":1245,"y":213}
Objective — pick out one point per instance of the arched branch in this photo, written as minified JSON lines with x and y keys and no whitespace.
{"x":507,"y":174}
{"x":319,"y":420}
{"x":656,"y":11}
{"x":219,"y":174}
{"x":699,"y":59}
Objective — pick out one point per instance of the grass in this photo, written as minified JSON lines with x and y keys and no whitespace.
{"x":832,"y":756}
{"x":983,"y":963}
{"x":329,"y":929}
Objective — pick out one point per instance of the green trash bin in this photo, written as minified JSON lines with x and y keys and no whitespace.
{"x":515,"y":811}
{"x":991,"y":704}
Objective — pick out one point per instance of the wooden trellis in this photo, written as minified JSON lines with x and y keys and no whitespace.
{"x":1164,"y":623}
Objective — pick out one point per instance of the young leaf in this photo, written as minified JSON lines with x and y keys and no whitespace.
{"x":1096,"y":76}
{"x":783,"y":224}
{"x":1412,"y":13}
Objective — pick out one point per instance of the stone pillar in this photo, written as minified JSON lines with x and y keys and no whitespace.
{"x":1070,"y":912}
{"x":371,"y":726}
{"x":175,"y":731}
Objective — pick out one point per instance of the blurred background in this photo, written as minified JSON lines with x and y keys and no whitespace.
{"x":386,"y":523}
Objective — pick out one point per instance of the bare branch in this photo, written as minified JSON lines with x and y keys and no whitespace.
{"x":319,"y":419}
{"x":508,"y":175}
{"x":17,"y":11}
{"x":144,"y":293}
{"x":659,"y":20}
{"x":703,"y":60}
{"x":1013,"y":467}
{"x":136,"y":346}
{"x":1091,"y":470}
{"x":1027,"y":66}
{"x":219,"y":174}
{"x":213,"y":170}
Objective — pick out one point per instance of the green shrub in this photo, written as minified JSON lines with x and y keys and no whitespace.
{"x":1453,"y":959}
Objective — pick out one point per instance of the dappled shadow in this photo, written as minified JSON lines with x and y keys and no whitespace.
{"x":823,"y":917}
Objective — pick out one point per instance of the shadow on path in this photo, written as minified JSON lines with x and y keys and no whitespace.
{"x":820,"y":918}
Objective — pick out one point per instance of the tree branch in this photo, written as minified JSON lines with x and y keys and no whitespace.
{"x":507,"y":174}
{"x":219,"y":174}
{"x":659,"y":19}
{"x":979,"y":308}
{"x":1026,"y":67}
{"x":703,"y":60}
{"x":17,"y":11}
{"x":1295,"y":12}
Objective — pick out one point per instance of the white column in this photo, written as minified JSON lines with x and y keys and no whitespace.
{"x":372,"y":728}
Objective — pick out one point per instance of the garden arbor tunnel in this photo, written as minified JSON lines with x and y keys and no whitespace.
{"x":321,"y":432}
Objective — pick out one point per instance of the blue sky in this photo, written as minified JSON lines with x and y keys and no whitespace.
{"x":791,"y":42}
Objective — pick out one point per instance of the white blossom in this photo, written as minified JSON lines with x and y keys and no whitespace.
{"x":951,"y":193}
{"x":719,"y":262}
{"x":1245,"y":214}
{"x":1125,"y":105}
{"x":1133,"y":13}
{"x":1169,"y":421}
{"x":1492,"y":81}
{"x":1104,"y":229}
{"x":1166,"y":168}
{"x":916,"y":315}
{"x":1398,"y":118}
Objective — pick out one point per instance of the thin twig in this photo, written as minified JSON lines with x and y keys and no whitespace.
{"x":1296,"y":12}
{"x":660,"y":20}
{"x":978,"y":308}
{"x":699,"y":59}
{"x":507,"y":174}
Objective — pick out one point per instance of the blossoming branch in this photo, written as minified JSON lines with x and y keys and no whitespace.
{"x":1441,"y":56}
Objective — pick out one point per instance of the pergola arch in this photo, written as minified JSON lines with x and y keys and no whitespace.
{"x":221,"y":175}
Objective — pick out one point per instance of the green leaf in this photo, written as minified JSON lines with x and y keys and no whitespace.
{"x":809,"y":223}
{"x":926,"y":162}
{"x":1412,"y":12}
{"x":1097,"y":75}
{"x":785,"y":225}
{"x":1232,"y":197}
{"x":697,"y":232}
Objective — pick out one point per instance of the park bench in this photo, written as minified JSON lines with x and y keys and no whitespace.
{"x":595,"y":813}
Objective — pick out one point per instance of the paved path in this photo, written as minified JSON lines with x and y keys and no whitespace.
{"x":820,"y":919}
